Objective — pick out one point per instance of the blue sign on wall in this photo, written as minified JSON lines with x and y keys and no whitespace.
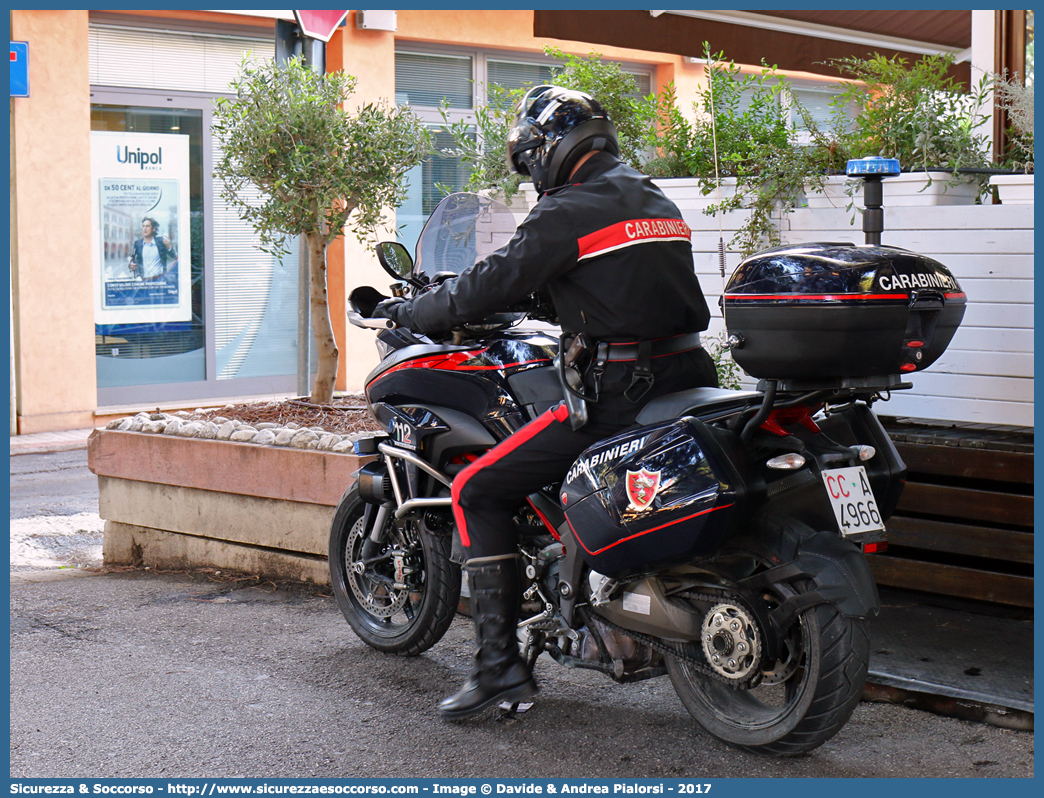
{"x":19,"y":69}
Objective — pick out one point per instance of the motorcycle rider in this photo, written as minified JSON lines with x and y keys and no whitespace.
{"x":615,"y":257}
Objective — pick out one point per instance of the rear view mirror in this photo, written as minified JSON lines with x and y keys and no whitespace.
{"x":396,"y":260}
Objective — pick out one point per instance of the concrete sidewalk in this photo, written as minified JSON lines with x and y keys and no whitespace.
{"x":43,"y":442}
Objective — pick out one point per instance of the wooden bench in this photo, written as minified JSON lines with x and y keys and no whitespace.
{"x":964,"y":524}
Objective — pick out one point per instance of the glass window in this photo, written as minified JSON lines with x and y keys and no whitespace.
{"x":643,"y":82}
{"x":255,"y":300}
{"x":516,"y":74}
{"x":142,"y":354}
{"x":430,"y":181}
{"x":818,"y":102}
{"x":240,"y":337}
{"x":425,"y":79}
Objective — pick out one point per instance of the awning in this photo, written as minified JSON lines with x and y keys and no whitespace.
{"x":791,"y":40}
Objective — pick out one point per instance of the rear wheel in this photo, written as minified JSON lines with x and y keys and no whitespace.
{"x":404,"y":599}
{"x":799,"y":700}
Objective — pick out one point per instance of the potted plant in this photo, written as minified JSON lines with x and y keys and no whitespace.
{"x":920,"y":115}
{"x":744,"y":148}
{"x":1015,"y":97}
{"x":295,"y":162}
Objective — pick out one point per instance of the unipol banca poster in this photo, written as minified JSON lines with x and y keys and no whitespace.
{"x":142,"y":251}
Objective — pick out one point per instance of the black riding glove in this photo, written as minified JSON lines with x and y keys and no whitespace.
{"x":397,"y":309}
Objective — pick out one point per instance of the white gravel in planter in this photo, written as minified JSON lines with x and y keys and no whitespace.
{"x":223,"y":429}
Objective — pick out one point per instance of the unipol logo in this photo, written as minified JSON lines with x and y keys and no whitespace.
{"x":150,"y":161}
{"x":642,"y":487}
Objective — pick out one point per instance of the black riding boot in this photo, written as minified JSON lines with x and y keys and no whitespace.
{"x":499,"y":673}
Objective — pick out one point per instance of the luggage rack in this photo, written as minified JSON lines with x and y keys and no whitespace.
{"x":780,"y":394}
{"x":838,"y":385}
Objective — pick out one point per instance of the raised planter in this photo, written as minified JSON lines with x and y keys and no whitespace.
{"x":908,"y":190}
{"x":687,"y":192}
{"x":1014,"y":189}
{"x":172,"y":502}
{"x":912,"y":189}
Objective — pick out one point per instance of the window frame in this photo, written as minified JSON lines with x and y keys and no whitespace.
{"x":210,"y":387}
{"x":480,"y":73}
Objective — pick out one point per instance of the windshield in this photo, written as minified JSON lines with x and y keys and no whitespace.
{"x":460,"y":232}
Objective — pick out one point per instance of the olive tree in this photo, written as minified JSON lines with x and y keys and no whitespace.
{"x":295,"y":162}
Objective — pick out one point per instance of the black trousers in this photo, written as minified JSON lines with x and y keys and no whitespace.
{"x":488,"y":492}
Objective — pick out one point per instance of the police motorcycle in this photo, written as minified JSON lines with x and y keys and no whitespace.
{"x":721,"y":541}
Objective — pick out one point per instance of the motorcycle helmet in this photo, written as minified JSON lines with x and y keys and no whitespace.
{"x":554,"y":128}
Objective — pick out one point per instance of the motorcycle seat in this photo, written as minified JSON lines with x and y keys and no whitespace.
{"x":695,"y":402}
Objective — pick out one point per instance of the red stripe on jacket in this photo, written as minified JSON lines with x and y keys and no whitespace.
{"x":629,"y":233}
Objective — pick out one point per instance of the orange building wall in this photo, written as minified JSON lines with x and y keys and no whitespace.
{"x":51,"y":225}
{"x":51,"y":192}
{"x":369,"y":55}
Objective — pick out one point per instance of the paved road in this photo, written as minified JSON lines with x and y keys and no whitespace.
{"x":54,"y":511}
{"x":140,"y":674}
{"x":57,"y":484}
{"x":172,"y":675}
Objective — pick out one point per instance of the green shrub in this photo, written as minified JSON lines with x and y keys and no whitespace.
{"x":749,"y":116}
{"x":614,"y":89}
{"x":916,"y":112}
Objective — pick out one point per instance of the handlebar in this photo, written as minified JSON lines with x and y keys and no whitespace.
{"x":358,"y":320}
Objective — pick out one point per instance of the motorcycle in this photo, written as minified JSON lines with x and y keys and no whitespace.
{"x":720,"y":541}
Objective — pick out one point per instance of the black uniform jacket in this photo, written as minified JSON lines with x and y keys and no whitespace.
{"x":609,"y":248}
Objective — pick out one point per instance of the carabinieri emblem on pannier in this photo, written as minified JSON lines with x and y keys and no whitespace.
{"x":642,"y":487}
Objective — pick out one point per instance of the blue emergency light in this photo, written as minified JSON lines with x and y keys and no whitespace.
{"x":872,"y":165}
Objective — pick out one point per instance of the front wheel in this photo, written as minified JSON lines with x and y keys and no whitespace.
{"x":800,"y":700}
{"x":403,"y":600}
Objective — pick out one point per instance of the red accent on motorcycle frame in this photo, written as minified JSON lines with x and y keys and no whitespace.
{"x":559,"y":413}
{"x":454,"y":361}
{"x":646,"y":532}
{"x":542,"y":517}
{"x":791,"y":415}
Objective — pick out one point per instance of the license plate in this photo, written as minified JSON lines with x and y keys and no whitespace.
{"x":855,"y":507}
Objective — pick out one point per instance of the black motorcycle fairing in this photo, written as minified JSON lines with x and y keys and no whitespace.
{"x":397,"y":338}
{"x":473,"y":379}
{"x":464,"y":436}
{"x":538,"y":389}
